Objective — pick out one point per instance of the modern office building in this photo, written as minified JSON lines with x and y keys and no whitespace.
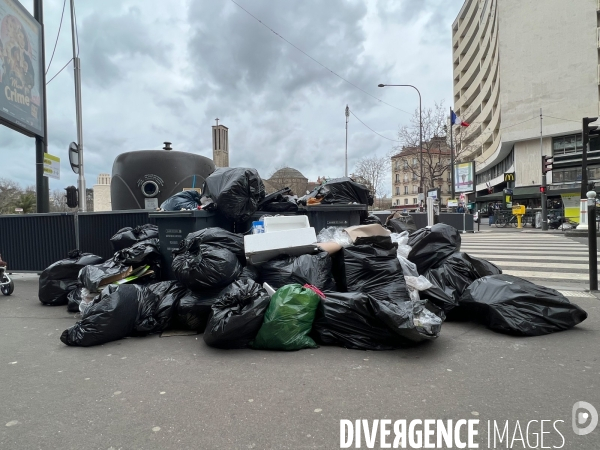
{"x":511,"y":60}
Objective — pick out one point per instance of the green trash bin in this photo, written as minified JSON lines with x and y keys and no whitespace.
{"x":173,"y":226}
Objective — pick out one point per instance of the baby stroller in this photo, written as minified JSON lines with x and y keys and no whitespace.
{"x":7,"y":285}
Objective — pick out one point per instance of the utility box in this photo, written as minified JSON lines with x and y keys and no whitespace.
{"x":174,"y":226}
{"x":518,"y":210}
{"x":324,"y":216}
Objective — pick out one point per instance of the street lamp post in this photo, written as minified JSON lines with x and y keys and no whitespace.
{"x":420,"y":128}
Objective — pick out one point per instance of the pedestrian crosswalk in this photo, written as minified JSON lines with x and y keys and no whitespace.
{"x":539,"y":257}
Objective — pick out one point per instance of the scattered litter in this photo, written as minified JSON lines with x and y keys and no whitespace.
{"x":12,"y":423}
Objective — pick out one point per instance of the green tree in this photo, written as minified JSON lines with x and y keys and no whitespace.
{"x":27,"y":201}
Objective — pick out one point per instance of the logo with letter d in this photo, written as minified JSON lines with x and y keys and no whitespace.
{"x":580,"y":417}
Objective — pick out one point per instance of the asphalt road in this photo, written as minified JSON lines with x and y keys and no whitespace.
{"x":177,"y":393}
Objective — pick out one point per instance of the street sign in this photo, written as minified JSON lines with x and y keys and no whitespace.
{"x":51,"y":166}
{"x":74,"y":156}
{"x":509,"y":177}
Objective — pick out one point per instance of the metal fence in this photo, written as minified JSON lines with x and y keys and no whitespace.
{"x":34,"y":241}
{"x":31,"y":242}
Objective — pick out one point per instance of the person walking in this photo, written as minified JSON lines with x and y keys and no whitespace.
{"x":491,"y":214}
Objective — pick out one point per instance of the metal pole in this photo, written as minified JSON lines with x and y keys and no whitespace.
{"x":420,"y":128}
{"x":347,"y":116}
{"x":77,"y":70}
{"x":41,"y":143}
{"x":543,"y":194}
{"x":451,"y":156}
{"x":592,"y":243}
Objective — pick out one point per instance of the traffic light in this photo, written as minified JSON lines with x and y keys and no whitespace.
{"x":543,"y":189}
{"x":72,"y":195}
{"x":589,"y":132}
{"x":547,"y":164}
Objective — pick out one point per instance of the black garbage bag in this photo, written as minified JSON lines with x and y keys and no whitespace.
{"x":249,"y":273}
{"x":60,"y":278}
{"x":347,"y":319}
{"x":411,"y":321}
{"x":305,"y":269}
{"x":169,"y":294}
{"x":371,"y":219}
{"x":194,"y":309}
{"x":280,"y":201}
{"x":401,"y":224}
{"x":126,"y":237}
{"x":237,"y":315}
{"x":451,"y":277}
{"x":206,"y":267}
{"x":182,"y":200}
{"x":372,"y":270}
{"x":511,"y":305}
{"x":114,"y":315}
{"x":140,"y":254}
{"x":341,"y":191}
{"x":216,"y":237}
{"x":235,"y":192}
{"x":74,"y":299}
{"x":430,"y":246}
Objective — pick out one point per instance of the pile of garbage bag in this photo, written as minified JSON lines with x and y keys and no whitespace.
{"x":339,"y":191}
{"x":233,"y":192}
{"x":58,"y":280}
{"x":183,"y":200}
{"x":368,"y":287}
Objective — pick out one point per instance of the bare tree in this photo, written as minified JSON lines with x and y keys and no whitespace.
{"x":436,"y":145}
{"x":372,"y":171}
{"x":9,"y":194}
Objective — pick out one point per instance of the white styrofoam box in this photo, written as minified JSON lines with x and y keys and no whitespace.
{"x":283,"y":223}
{"x":265,"y":246}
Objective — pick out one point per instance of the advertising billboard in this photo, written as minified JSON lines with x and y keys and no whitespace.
{"x":464,"y":177}
{"x":21,"y":85}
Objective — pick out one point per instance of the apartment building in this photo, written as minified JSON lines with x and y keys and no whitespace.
{"x":406,"y":172}
{"x":514,"y":63}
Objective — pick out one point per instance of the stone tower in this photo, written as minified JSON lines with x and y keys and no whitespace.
{"x":102,"y":193}
{"x":220,"y":145}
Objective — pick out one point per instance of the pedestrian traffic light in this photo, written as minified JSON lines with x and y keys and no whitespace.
{"x":543,"y":189}
{"x":547,"y":164}
{"x":72,"y":195}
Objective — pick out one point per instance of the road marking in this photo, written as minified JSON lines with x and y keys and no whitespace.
{"x":512,"y":257}
{"x":548,"y":275}
{"x":577,"y":294}
{"x":540,"y":265}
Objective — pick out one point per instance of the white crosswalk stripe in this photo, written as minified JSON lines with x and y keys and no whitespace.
{"x":537,"y":257}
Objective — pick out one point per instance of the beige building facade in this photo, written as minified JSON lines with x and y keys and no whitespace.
{"x":514,"y":61}
{"x":101,"y":189}
{"x":406,"y":172}
{"x":220,"y":140}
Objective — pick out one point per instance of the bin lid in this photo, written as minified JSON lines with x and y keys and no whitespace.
{"x":338,"y":207}
{"x":191,"y":213}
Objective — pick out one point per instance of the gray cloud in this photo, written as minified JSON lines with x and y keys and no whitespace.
{"x":155,"y":71}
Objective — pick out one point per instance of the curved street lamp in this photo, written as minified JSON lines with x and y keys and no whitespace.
{"x":420,"y":128}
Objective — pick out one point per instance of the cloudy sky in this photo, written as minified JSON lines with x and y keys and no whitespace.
{"x":155,"y":71}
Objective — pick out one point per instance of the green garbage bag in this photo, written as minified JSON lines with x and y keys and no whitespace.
{"x":288,"y":319}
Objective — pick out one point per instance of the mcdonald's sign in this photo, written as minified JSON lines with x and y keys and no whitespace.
{"x":509,"y":176}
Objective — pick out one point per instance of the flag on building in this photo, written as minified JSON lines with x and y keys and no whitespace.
{"x":457,"y":120}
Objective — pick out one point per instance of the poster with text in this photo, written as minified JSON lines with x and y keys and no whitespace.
{"x":464,"y":176}
{"x":20,"y":69}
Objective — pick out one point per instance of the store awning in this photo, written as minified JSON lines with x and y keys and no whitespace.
{"x":519,"y":193}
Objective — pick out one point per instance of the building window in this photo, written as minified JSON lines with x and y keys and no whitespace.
{"x":405,"y":190}
{"x":405,"y":163}
{"x":415,"y":161}
{"x":406,"y":201}
{"x":415,"y":189}
{"x":405,"y":177}
{"x":414,"y":177}
{"x":397,"y":190}
{"x":397,"y":178}
{"x":414,"y":201}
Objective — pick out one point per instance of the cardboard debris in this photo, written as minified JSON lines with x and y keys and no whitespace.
{"x":366,"y":231}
